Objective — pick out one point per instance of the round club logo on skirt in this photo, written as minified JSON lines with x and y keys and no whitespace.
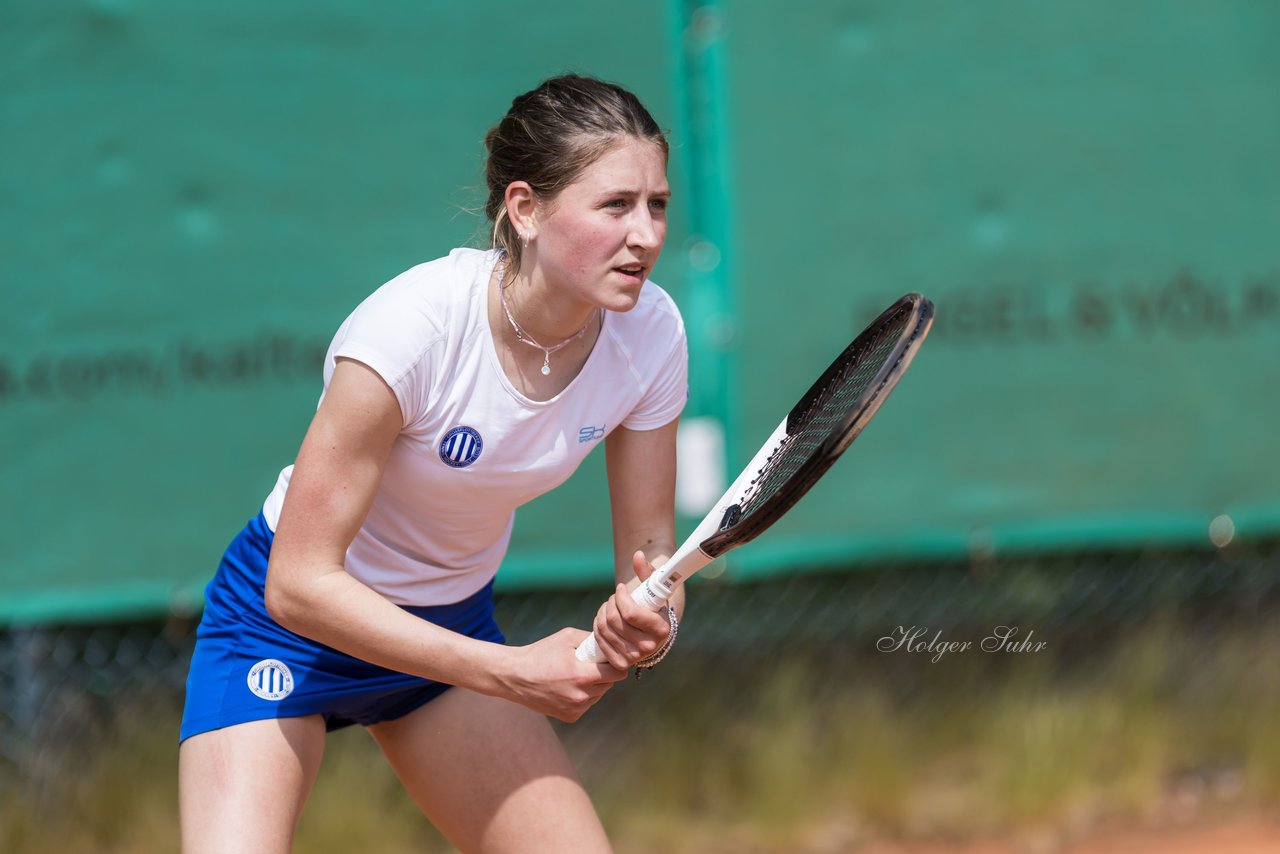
{"x":460,"y":447}
{"x":271,"y":679}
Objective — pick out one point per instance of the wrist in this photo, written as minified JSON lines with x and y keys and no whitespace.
{"x":677,"y":601}
{"x":673,"y":629}
{"x":492,"y":670}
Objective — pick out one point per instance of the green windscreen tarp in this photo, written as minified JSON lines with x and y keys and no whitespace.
{"x":194,"y":199}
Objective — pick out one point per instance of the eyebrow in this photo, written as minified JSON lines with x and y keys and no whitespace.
{"x":618,"y":191}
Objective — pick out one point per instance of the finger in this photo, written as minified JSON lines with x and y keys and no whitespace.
{"x":644,"y":631}
{"x":641,"y":566}
{"x":609,"y":639}
{"x":599,"y":689}
{"x":636,"y":616}
{"x":638,"y":632}
{"x":621,"y":627}
{"x":608,"y":674}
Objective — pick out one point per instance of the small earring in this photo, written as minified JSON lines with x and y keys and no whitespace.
{"x":524,"y":238}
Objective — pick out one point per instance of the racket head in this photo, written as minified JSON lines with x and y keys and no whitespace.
{"x":826,"y":420}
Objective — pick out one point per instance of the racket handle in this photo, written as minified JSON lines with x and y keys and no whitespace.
{"x":645,"y":595}
{"x":657,"y":588}
{"x":589,"y":650}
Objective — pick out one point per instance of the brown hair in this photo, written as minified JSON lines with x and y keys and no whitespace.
{"x":550,"y":135}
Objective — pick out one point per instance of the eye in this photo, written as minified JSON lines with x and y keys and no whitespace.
{"x":616,"y":204}
{"x":658,"y":204}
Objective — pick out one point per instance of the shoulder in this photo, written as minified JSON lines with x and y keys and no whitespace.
{"x":416,"y":312}
{"x":650,"y":338}
{"x":426,"y":297}
{"x":655,"y":318}
{"x":651,"y":341}
{"x":429,"y":292}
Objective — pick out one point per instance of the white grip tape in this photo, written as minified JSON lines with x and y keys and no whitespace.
{"x":589,"y":650}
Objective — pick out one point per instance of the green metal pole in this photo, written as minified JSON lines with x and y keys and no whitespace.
{"x":698,"y":37}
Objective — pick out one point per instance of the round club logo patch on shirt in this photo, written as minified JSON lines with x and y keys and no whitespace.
{"x":271,"y":679}
{"x":460,"y":447}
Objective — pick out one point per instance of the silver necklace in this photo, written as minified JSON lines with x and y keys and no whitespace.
{"x":521,"y":335}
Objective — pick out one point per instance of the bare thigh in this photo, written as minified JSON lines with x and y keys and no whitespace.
{"x":242,"y":788}
{"x":492,"y":776}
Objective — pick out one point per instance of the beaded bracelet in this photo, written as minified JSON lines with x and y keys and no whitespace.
{"x":653,"y":660}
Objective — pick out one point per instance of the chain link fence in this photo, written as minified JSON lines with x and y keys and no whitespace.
{"x":884,"y":626}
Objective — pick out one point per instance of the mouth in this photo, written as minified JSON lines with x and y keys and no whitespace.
{"x":634,"y":271}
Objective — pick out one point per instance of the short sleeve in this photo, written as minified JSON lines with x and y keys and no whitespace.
{"x":393,"y":333}
{"x":668,"y":387}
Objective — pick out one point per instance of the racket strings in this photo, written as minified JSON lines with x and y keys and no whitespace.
{"x":828,"y":413}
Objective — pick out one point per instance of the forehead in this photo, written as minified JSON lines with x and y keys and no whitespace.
{"x":628,"y":164}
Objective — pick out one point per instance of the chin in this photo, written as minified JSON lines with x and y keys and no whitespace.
{"x":622,"y":302}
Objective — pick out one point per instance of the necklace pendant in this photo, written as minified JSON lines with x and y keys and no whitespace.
{"x":546,"y":364}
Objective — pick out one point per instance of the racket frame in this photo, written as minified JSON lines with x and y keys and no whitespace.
{"x":720,"y":530}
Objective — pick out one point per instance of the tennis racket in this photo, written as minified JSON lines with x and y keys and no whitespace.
{"x":814,"y":434}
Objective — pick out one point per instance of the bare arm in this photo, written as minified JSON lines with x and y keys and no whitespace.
{"x":642,"y":477}
{"x":335,"y":478}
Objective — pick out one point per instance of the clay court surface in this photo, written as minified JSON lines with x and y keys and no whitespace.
{"x":1236,"y":836}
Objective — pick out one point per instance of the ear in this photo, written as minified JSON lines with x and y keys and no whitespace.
{"x":522,"y":207}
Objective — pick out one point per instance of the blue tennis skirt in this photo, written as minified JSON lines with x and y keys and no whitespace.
{"x":247,"y":667}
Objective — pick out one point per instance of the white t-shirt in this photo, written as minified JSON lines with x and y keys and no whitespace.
{"x":473,"y":448}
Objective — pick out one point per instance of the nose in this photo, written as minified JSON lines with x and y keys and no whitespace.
{"x":647,"y":231}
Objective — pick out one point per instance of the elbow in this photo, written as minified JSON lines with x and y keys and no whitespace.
{"x":282,"y":602}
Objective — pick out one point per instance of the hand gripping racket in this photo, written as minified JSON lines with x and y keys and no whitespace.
{"x":813,"y":435}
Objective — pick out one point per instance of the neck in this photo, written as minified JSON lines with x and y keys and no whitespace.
{"x":533,"y":311}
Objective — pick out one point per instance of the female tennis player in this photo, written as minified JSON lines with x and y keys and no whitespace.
{"x":459,"y":390}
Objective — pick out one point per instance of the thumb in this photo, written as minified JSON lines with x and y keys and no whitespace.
{"x":572,"y":636}
{"x":641,"y":565}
